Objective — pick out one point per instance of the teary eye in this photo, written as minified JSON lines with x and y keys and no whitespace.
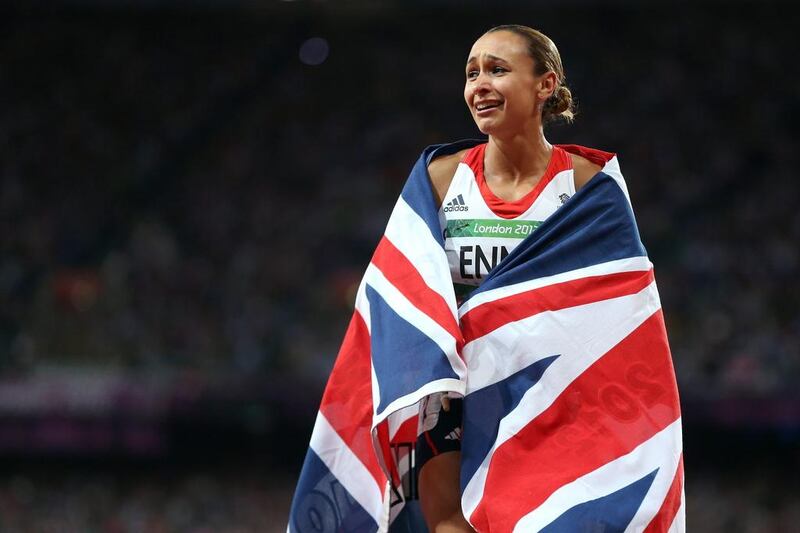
{"x":472,"y":74}
{"x":498,"y":70}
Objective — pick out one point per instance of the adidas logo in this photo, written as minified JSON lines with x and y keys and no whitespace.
{"x":563,"y":197}
{"x":454,"y":435}
{"x":456,"y":204}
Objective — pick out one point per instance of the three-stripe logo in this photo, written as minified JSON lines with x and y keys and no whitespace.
{"x":456,"y":204}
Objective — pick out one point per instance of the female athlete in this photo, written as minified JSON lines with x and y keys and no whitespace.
{"x":491,"y":197}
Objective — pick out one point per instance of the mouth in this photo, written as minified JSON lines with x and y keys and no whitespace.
{"x":485,"y":108}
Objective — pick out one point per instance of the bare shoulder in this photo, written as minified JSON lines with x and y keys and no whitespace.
{"x":441,"y":171}
{"x":584,"y":170}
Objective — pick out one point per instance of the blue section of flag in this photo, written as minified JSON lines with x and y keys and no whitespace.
{"x":609,"y":514}
{"x":485,"y":408}
{"x":321,"y":504}
{"x":393,"y":340}
{"x":418,"y":193}
{"x":595,"y":226}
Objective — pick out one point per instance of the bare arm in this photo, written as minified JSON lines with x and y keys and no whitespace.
{"x":440,"y":494}
{"x":584,"y":170}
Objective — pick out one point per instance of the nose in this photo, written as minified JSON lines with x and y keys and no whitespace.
{"x":482,"y":84}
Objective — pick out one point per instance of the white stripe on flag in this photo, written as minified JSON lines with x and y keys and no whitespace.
{"x":421,"y":321}
{"x":662,"y":482}
{"x":586,"y":332}
{"x":363,"y":310}
{"x":440,"y":385}
{"x":376,"y":395}
{"x":400,"y":417}
{"x":410,"y":234}
{"x":411,"y":314}
{"x":579,"y":348}
{"x":612,"y":169}
{"x":347,"y":467}
{"x":362,"y":304}
{"x":615,"y":476}
{"x":630,"y":264}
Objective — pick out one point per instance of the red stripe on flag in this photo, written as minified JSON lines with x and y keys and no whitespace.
{"x":347,"y":402}
{"x":488,"y":317}
{"x":396,"y":267}
{"x":407,"y":432}
{"x":672,"y":502}
{"x":619,"y":402}
{"x":385,"y":444}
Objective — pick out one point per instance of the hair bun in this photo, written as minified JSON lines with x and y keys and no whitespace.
{"x":559,"y":105}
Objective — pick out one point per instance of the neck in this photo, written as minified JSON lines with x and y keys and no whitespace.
{"x":519,"y":157}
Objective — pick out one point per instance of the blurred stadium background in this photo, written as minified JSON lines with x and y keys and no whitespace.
{"x":190,"y":191}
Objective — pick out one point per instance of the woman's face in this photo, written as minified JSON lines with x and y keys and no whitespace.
{"x":501,"y":90}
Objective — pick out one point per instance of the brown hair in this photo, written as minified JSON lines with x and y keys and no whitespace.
{"x":545,"y":55}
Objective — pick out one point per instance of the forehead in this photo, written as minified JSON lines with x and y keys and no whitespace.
{"x":503,"y":44}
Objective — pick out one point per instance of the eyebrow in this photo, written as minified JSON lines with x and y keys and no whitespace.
{"x":490,"y":56}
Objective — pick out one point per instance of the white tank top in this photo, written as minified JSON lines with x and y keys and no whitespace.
{"x":480,"y":229}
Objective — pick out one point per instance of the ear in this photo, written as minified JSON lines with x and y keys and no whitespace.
{"x":547,"y":85}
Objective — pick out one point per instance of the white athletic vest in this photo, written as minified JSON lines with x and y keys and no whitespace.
{"x":480,"y":229}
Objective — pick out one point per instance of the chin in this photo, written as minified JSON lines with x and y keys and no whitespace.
{"x":488,"y":127}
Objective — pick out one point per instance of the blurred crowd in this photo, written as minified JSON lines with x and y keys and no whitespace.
{"x":180,"y":191}
{"x":113,"y":501}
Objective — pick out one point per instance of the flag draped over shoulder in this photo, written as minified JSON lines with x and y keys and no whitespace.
{"x":571,"y":413}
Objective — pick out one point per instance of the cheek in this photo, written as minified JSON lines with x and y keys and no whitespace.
{"x":467,"y":95}
{"x":519,"y":96}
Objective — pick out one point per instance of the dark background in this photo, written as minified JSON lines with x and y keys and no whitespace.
{"x":189,"y":193}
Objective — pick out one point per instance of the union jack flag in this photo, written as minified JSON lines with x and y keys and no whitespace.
{"x":571,"y":413}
